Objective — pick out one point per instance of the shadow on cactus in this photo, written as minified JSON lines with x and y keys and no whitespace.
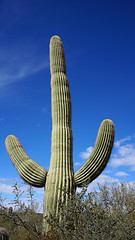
{"x":61,"y":174}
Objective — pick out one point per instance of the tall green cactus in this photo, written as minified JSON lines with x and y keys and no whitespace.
{"x":60,"y":181}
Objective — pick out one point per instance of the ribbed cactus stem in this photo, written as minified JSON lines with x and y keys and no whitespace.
{"x":99,"y":157}
{"x":30,"y":171}
{"x":57,"y":56}
{"x":60,"y":179}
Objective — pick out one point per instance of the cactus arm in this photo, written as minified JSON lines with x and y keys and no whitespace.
{"x":30,"y":171}
{"x":99,"y":156}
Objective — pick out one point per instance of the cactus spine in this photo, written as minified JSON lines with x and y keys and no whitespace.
{"x":60,"y":181}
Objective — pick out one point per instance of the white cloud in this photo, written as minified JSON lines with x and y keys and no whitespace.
{"x":77,"y":164}
{"x":125,"y":156}
{"x":121,"y":174}
{"x":86,"y":154}
{"x":119,"y":142}
{"x":39,"y":190}
{"x":5,"y":188}
{"x":3,"y":179}
{"x":102,"y":179}
{"x":105,"y":178}
{"x":7,"y":180}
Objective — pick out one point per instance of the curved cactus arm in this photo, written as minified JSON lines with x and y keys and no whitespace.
{"x":99,"y":156}
{"x":30,"y":171}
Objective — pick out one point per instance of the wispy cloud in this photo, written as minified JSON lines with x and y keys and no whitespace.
{"x":77,"y":164}
{"x":105,"y":178}
{"x":18,"y":62}
{"x":4,"y":179}
{"x":21,"y":56}
{"x":121,"y":174}
{"x":86,"y":154}
{"x":102,"y":179}
{"x":5,"y":188}
{"x":119,"y":142}
{"x":10,"y":74}
{"x":125,"y":154}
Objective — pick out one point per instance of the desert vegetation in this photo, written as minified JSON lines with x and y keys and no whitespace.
{"x":106,"y":213}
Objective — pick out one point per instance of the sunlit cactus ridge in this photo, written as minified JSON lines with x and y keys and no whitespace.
{"x":60,"y":181}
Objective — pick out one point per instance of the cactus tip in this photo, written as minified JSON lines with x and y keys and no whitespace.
{"x":107,"y":121}
{"x":55,"y":37}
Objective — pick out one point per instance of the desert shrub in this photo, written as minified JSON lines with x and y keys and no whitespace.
{"x":107,"y":213}
{"x":22,"y":222}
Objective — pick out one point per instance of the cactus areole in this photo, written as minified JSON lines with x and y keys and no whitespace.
{"x":60,"y":181}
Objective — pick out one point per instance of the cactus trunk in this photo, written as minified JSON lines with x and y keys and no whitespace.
{"x":60,"y":184}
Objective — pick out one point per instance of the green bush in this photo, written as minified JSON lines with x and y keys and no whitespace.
{"x":105,"y":214}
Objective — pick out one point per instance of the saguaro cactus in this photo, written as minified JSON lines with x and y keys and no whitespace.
{"x":60,"y":181}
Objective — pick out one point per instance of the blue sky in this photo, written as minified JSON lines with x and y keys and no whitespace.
{"x":99,"y":44}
